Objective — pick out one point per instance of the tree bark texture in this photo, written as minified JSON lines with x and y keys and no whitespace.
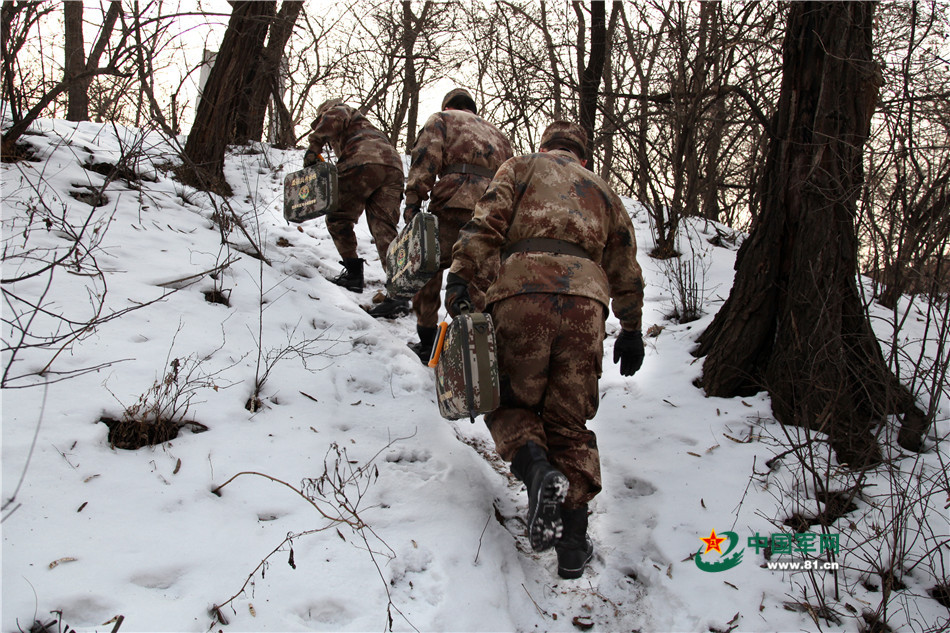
{"x":593,"y":71}
{"x":266,"y":82}
{"x":226,"y":92}
{"x":409,"y":104}
{"x":10,"y":46}
{"x":77,"y":103}
{"x":794,"y":323}
{"x":78,"y":70}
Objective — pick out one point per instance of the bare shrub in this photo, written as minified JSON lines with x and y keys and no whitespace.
{"x":162,"y":411}
{"x":686,"y":277}
{"x":336,"y":495}
{"x":45,"y":237}
{"x":887,"y":520}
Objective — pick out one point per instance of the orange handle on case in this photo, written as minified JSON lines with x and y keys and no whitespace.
{"x":437,"y":350}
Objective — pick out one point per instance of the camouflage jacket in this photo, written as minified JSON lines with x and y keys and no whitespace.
{"x":551,"y":195}
{"x":454,"y":137}
{"x":353,"y":138}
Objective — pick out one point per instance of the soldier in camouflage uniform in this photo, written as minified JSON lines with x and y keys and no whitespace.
{"x":370,"y":177}
{"x":567,"y":247}
{"x":454,"y":158}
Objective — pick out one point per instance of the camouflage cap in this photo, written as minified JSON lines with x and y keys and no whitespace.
{"x":459,"y":98}
{"x":565,"y":133}
{"x":326,"y":105}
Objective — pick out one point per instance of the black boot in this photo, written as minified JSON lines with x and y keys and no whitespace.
{"x":547,"y":488}
{"x":390,"y":308}
{"x":575,"y":549}
{"x":423,"y":348}
{"x":352,"y":276}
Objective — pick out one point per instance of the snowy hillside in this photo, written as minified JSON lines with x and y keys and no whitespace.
{"x":348,"y":503}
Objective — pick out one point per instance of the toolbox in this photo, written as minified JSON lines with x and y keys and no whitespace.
{"x":311,"y":192}
{"x":466,"y":366}
{"x":413,"y":257}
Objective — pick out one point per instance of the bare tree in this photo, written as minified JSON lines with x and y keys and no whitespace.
{"x":689,"y":92}
{"x":312,"y":60}
{"x":524,"y":55}
{"x":76,"y":64}
{"x":159,"y":50}
{"x":522,"y":81}
{"x":392,"y":54}
{"x":225,"y":94}
{"x":591,"y":70}
{"x":20,"y":21}
{"x":905,"y":224}
{"x":265,"y":84}
{"x":794,"y":322}
{"x":634,"y":67}
{"x":408,"y":107}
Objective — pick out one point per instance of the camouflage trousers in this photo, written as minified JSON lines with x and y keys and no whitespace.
{"x":550,"y":354}
{"x":378,"y":190}
{"x":427,"y":302}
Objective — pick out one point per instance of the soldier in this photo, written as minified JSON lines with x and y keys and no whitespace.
{"x":567,"y":247}
{"x":463,"y":151}
{"x":370,"y":177}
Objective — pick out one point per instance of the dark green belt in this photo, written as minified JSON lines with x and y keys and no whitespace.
{"x":465,"y":168}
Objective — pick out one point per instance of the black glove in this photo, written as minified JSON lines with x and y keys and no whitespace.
{"x":629,"y":351}
{"x":456,"y":295}
{"x":311,"y":158}
{"x":410,"y":212}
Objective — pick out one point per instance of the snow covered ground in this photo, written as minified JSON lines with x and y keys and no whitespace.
{"x":349,"y":503}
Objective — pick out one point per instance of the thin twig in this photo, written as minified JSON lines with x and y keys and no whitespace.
{"x":480,"y":538}
{"x":540,"y":610}
{"x":193,"y":278}
{"x":288,"y":539}
{"x":354,"y":524}
{"x":29,"y":457}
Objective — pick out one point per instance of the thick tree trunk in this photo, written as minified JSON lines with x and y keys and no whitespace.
{"x":794,"y":323}
{"x":77,"y":103}
{"x":609,"y":120}
{"x":250,"y":126}
{"x":225,"y":94}
{"x":709,"y":186}
{"x":286,"y":137}
{"x":407,"y":109}
{"x":593,"y":71}
{"x":410,"y":84}
{"x":252,"y":97}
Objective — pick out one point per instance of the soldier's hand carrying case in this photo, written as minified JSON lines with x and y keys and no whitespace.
{"x":466,"y":367}
{"x":413,"y":257}
{"x":311,"y":192}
